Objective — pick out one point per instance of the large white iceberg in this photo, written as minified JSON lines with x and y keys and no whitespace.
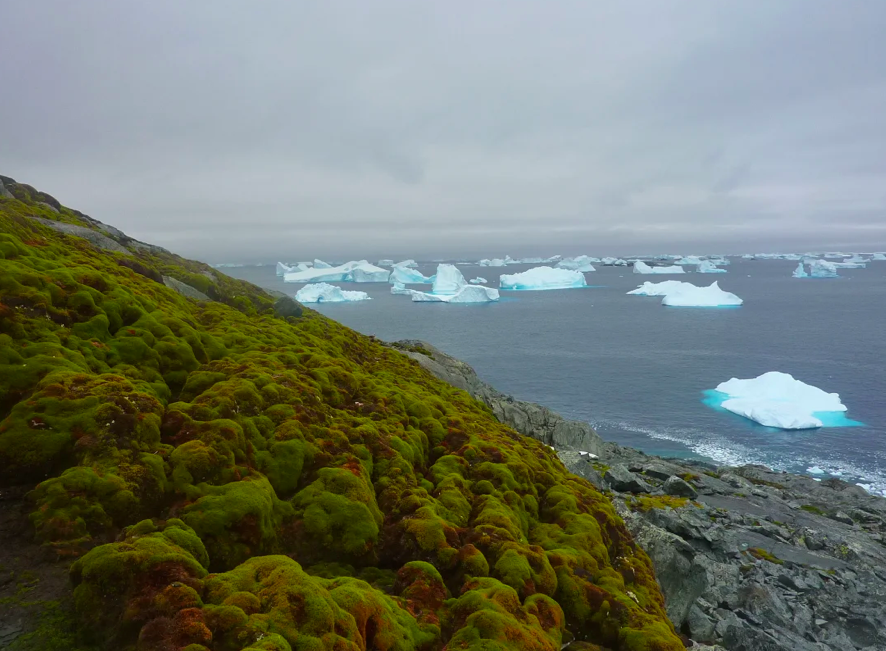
{"x":407,"y":263}
{"x":641,"y":267}
{"x":580,"y":263}
{"x":283,"y":268}
{"x":614,"y":262}
{"x":800,"y":272}
{"x":708,"y":267}
{"x":319,"y":264}
{"x":692,"y":296}
{"x":479,"y":280}
{"x":495,"y":262}
{"x":359,"y":271}
{"x":323,"y":293}
{"x":448,"y":280}
{"x":407,"y":276}
{"x":880,"y":257}
{"x":466,"y":294}
{"x":543,"y":278}
{"x":778,"y":400}
{"x":689,"y":259}
{"x":822,"y":269}
{"x":659,"y":289}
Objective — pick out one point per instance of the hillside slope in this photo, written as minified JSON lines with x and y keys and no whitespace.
{"x":239,"y":473}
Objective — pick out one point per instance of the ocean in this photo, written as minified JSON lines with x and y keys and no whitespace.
{"x":637,"y":371}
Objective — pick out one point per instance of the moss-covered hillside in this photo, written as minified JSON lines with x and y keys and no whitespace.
{"x":222,"y":476}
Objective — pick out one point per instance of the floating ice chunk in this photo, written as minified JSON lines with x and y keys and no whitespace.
{"x":815,"y":470}
{"x":659,"y":289}
{"x":543,"y":278}
{"x":848,"y":264}
{"x":747,"y":256}
{"x":319,"y":264}
{"x":800,"y":272}
{"x":407,"y":276}
{"x":400,"y":288}
{"x":822,"y":269}
{"x":385,"y":263}
{"x":283,"y":268}
{"x":880,"y":257}
{"x":778,"y":400}
{"x":708,"y":267}
{"x":448,"y":280}
{"x":407,"y":263}
{"x":580,"y":263}
{"x":691,"y":296}
{"x":465,"y":294}
{"x":495,"y":262}
{"x":614,"y":262}
{"x":689,"y":259}
{"x":323,"y":293}
{"x":359,"y":271}
{"x":641,"y":267}
{"x":479,"y":280}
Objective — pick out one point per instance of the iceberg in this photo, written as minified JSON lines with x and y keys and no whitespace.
{"x":848,"y":264}
{"x":641,"y":267}
{"x":800,"y":271}
{"x":495,"y":262}
{"x":356,"y":271}
{"x":466,"y":294}
{"x":283,"y":269}
{"x":385,"y":263}
{"x":614,"y":262}
{"x":747,"y":256}
{"x":707,"y":267}
{"x":659,"y":289}
{"x":407,"y":276}
{"x":323,"y":293}
{"x":406,"y":263}
{"x":822,"y":269}
{"x":689,"y":259}
{"x":479,"y":280}
{"x":448,"y":280}
{"x":580,"y":263}
{"x":778,"y":400}
{"x":880,"y":257}
{"x":319,"y":264}
{"x":540,"y":278}
{"x":400,"y":289}
{"x":692,"y":296}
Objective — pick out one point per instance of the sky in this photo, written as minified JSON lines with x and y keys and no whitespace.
{"x":265,"y":130}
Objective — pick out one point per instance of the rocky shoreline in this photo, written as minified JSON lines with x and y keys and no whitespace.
{"x":748,"y":559}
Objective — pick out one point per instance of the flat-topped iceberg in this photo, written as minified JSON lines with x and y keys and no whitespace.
{"x":880,"y":257}
{"x":466,"y":294}
{"x":540,"y":278}
{"x":479,"y":280}
{"x":659,"y":289}
{"x":323,"y":293}
{"x":614,"y":262}
{"x":359,"y":271}
{"x":641,"y":267}
{"x":689,"y":259}
{"x":407,"y":276}
{"x":849,"y":264}
{"x":822,"y":269}
{"x":691,"y":296}
{"x":800,"y":272}
{"x":778,"y":400}
{"x":708,"y":267}
{"x":400,"y":289}
{"x":494,"y":262}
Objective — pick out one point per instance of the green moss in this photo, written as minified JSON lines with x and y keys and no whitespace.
{"x":762,"y":554}
{"x":646,"y":503}
{"x":811,"y":508}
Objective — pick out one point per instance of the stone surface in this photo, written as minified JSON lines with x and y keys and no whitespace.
{"x":623,"y":480}
{"x":183,"y":289}
{"x":679,"y":487}
{"x":286,"y":306}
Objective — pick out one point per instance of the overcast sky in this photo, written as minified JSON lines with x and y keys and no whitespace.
{"x":235,"y":131}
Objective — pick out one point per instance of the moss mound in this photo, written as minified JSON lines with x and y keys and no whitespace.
{"x":341,"y":497}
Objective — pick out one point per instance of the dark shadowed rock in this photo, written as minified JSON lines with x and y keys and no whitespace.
{"x":141,"y":269}
{"x":6,"y":194}
{"x":581,"y":466}
{"x":286,"y":307}
{"x":679,"y":487}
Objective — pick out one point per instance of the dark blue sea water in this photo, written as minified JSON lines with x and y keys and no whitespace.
{"x":637,"y":370}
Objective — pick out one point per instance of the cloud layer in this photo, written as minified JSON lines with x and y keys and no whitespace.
{"x":263,"y":130}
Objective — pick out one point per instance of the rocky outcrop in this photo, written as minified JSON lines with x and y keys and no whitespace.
{"x":748,"y":559}
{"x":527,"y":418}
{"x":184,"y":289}
{"x":93,"y":237}
{"x":4,"y":193}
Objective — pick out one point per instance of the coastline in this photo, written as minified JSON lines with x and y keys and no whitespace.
{"x":746,"y":557}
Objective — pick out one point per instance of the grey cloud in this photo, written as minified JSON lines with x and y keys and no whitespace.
{"x":291,"y":129}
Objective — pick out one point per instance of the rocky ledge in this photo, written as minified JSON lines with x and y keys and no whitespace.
{"x":748,"y":559}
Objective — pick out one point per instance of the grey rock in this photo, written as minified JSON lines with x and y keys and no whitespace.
{"x":701,"y":627}
{"x":679,"y":487}
{"x":48,"y":206}
{"x":95,"y":238}
{"x":623,"y":480}
{"x":839,"y":516}
{"x":286,"y":307}
{"x":527,"y":418}
{"x":579,"y":465}
{"x":184,"y":289}
{"x":6,"y":194}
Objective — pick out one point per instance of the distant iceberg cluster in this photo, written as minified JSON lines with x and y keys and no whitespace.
{"x":641,"y":267}
{"x":708,"y":267}
{"x":450,"y":286}
{"x":776,"y":399}
{"x":540,"y":278}
{"x":676,"y":293}
{"x":324,"y":293}
{"x":359,"y":271}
